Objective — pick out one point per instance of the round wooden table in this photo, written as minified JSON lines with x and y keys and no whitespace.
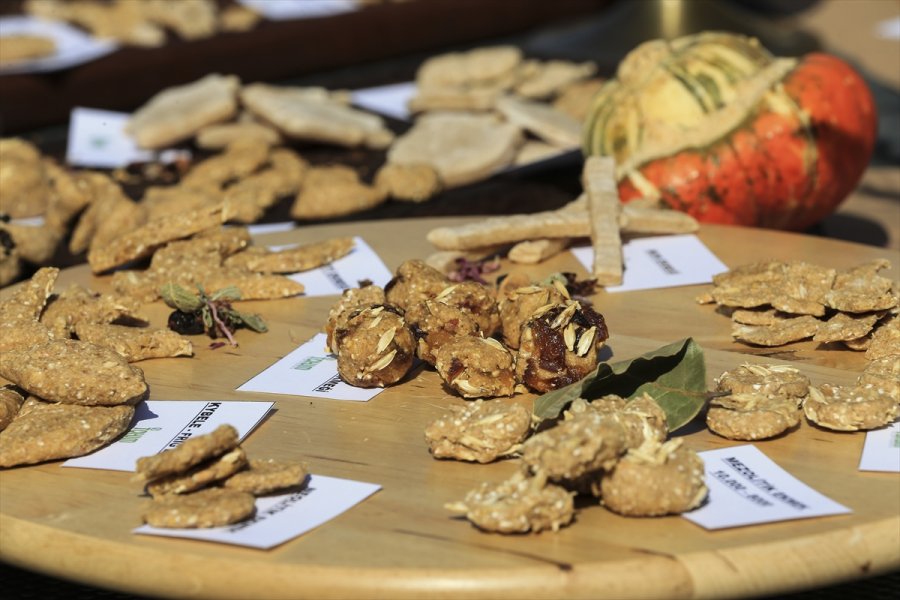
{"x":401,"y":542}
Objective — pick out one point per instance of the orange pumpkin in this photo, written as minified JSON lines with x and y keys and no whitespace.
{"x":714,"y":125}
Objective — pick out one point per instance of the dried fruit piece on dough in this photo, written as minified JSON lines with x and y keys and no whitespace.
{"x":375,"y":349}
{"x":476,"y":367}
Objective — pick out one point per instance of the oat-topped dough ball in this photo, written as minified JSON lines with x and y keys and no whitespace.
{"x":375,"y":349}
{"x":768,"y":380}
{"x":641,"y":418}
{"x":518,"y":306}
{"x":752,"y":416}
{"x":477,"y":367}
{"x":518,"y":505}
{"x":478,"y":431}
{"x":475,"y":299}
{"x":435,"y":324}
{"x":655,"y":480}
{"x":845,"y":408}
{"x":586,"y":443}
{"x":559,"y":345}
{"x":414,"y":283}
{"x":351,"y":300}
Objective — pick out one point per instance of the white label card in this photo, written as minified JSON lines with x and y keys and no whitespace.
{"x":747,"y":488}
{"x":97,"y":138}
{"x":881,"y":452}
{"x":661,"y":262}
{"x":346,"y":272}
{"x":264,"y":228}
{"x":283,"y":10}
{"x":283,"y":517}
{"x":308,"y":371}
{"x":162,"y":424}
{"x":390,"y":100}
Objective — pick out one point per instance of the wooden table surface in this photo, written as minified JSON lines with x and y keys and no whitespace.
{"x":401,"y":543}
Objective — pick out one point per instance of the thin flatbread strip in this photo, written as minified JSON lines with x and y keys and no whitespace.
{"x":599,"y":180}
{"x":74,"y":372}
{"x":213,"y":507}
{"x":784,"y":332}
{"x":291,"y":260}
{"x":135,"y":343}
{"x":570,"y":221}
{"x":843,"y":327}
{"x":177,"y":113}
{"x":145,"y":240}
{"x":189,"y":453}
{"x":55,"y":431}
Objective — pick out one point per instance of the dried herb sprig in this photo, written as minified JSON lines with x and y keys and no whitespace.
{"x":209,"y":313}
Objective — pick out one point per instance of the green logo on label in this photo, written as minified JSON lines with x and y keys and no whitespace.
{"x":137,"y":433}
{"x":308,"y":363}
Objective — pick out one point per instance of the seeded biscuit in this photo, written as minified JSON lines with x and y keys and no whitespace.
{"x":189,"y":453}
{"x":655,"y":480}
{"x":291,"y":260}
{"x":575,"y":99}
{"x":462,"y":148}
{"x":883,"y":374}
{"x":329,"y":192}
{"x":145,"y":240}
{"x":765,"y":379}
{"x":199,"y":476}
{"x":301,"y":113}
{"x":518,"y":505}
{"x":10,"y":403}
{"x":784,"y":332}
{"x":54,"y":431}
{"x":478,"y":431}
{"x":18,"y":48}
{"x":74,"y":372}
{"x":843,"y":327}
{"x":213,"y":507}
{"x":885,"y":340}
{"x":481,"y":66}
{"x":408,"y":182}
{"x":267,"y":476}
{"x":24,"y":191}
{"x":177,"y":113}
{"x":752,"y":416}
{"x":845,"y":408}
{"x":135,"y":343}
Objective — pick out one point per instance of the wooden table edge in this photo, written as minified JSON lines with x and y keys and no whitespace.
{"x":815,"y":560}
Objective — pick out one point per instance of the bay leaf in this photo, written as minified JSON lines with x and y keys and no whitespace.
{"x":179,"y":298}
{"x":674,"y":375}
{"x":252,"y":321}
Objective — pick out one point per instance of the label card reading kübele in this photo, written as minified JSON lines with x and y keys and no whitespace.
{"x":283,"y":517}
{"x":308,"y":371}
{"x":161,"y":425}
{"x":346,"y":272}
{"x":97,"y":138}
{"x":747,"y":488}
{"x":881,"y":452}
{"x":660,"y":262}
